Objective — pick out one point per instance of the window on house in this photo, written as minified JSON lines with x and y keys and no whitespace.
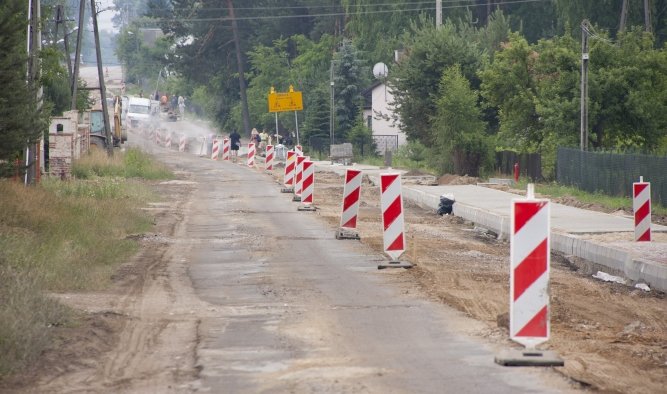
{"x":369,"y":121}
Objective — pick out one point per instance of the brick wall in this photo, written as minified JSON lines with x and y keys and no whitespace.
{"x":60,"y":154}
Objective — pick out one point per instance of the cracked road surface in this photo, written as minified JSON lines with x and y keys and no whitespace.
{"x":291,"y":309}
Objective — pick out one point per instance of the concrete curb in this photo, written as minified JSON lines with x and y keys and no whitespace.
{"x":652,"y":273}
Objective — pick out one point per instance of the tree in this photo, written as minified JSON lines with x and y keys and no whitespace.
{"x":508,"y":86}
{"x":628,"y":92}
{"x":415,"y":79}
{"x":22,"y":121}
{"x":458,"y":130}
{"x":350,"y":77}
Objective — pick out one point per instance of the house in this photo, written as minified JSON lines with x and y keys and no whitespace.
{"x":380,"y":117}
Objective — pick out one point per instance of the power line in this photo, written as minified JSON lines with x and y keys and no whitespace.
{"x":324,"y":6}
{"x":369,"y":12}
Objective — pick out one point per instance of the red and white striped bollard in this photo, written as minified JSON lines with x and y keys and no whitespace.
{"x":268,"y":162}
{"x":226,"y":146}
{"x":167,"y":142}
{"x":290,"y":166}
{"x":298,"y":178}
{"x":215,"y":150}
{"x":641,"y":205}
{"x":529,"y":270}
{"x":251,"y":154}
{"x":393,"y":236}
{"x":182,"y":143}
{"x":308,"y":187}
{"x":350,"y":206}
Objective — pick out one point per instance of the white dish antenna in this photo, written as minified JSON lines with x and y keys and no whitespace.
{"x":380,"y":70}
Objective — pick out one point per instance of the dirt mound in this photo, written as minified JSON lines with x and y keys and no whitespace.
{"x":450,"y":179}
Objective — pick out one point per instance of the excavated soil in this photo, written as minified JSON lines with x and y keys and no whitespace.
{"x":613,"y":337}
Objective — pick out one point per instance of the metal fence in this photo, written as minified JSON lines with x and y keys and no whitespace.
{"x":530,"y":164}
{"x":612,"y":173}
{"x":385,"y":143}
{"x":320,"y":144}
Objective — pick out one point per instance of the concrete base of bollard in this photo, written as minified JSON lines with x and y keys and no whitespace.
{"x":306,"y":207}
{"x":529,"y":358}
{"x":394,"y":264}
{"x":344,"y":233}
{"x":296,"y":198}
{"x":287,"y":190}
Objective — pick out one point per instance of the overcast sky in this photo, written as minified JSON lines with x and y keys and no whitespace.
{"x":104,"y":18}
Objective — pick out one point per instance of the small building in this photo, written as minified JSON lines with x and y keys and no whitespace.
{"x":381,"y":118}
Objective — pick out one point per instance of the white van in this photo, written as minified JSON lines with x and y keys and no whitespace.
{"x":139,"y":111}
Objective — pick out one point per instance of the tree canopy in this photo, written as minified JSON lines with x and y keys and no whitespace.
{"x":520,"y":63}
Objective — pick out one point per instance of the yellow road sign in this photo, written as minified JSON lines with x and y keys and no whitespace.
{"x":284,"y":102}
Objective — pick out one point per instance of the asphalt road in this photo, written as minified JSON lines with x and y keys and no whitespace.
{"x":295,"y":310}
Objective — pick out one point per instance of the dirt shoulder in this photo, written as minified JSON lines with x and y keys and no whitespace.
{"x":137,"y":335}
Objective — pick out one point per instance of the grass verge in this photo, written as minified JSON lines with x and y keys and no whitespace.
{"x":64,"y":236}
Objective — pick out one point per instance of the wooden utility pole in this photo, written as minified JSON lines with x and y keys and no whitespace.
{"x":239,"y":65}
{"x":77,"y":54}
{"x":624,"y":16}
{"x":438,"y":13}
{"x":34,"y":40}
{"x":584,"y":85}
{"x":100,"y":75}
{"x":61,"y":20}
{"x":647,"y":16}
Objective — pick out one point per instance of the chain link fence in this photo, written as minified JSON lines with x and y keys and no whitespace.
{"x":612,"y":173}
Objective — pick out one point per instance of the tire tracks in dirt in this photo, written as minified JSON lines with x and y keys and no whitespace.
{"x":157,"y":341}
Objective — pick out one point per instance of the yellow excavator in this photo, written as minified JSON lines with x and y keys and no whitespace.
{"x":97,"y":135}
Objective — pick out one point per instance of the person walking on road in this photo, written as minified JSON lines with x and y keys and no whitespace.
{"x":235,"y":142}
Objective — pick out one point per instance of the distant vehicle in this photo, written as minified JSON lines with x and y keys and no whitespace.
{"x":97,"y":135}
{"x":139,"y":111}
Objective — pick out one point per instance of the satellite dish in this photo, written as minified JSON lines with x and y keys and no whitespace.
{"x":380,"y":70}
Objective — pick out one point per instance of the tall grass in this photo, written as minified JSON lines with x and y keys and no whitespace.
{"x":133,"y":163}
{"x":65,"y":236}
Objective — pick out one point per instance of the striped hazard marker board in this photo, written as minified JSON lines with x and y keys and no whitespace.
{"x":226,"y":148}
{"x":290,"y":167}
{"x":268,"y":162}
{"x":391,"y":204}
{"x":350,"y":206}
{"x":641,"y":205}
{"x":182,"y":143}
{"x":308,"y":186}
{"x":298,"y":178}
{"x":251,"y":154}
{"x":529,"y":280}
{"x":215,"y":151}
{"x":167,"y":141}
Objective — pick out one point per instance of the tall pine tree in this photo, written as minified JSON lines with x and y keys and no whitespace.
{"x":21,"y":121}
